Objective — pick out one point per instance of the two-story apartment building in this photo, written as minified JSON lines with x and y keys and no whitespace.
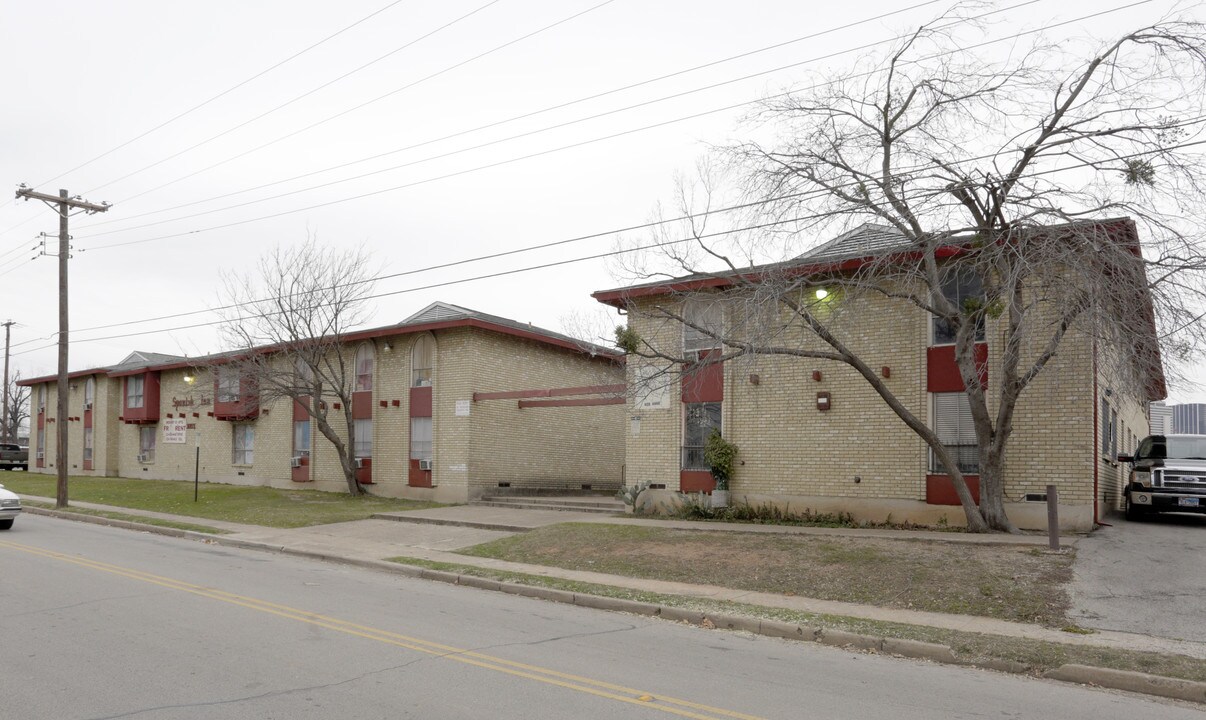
{"x":813,"y":433}
{"x":448,"y":405}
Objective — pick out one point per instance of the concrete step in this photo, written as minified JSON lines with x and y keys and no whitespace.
{"x":606,"y":508}
{"x":606,"y":501}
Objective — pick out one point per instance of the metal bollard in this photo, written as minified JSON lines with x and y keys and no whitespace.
{"x":1053,"y":517}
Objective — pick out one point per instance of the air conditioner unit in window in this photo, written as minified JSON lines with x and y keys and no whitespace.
{"x":41,"y":456}
{"x":424,"y":464}
{"x":142,"y":458}
{"x":295,"y":462}
{"x":87,"y":406}
{"x":359,"y":463}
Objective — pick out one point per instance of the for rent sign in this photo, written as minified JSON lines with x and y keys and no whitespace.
{"x":174,"y":430}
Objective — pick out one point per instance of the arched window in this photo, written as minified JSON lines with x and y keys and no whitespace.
{"x":89,"y":393}
{"x":364,"y":368}
{"x":422,"y":360}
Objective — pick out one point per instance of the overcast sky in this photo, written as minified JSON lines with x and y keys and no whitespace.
{"x":85,"y":78}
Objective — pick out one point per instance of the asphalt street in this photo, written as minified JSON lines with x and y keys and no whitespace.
{"x":100,"y":622}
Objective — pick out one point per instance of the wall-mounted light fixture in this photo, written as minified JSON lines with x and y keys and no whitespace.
{"x":189,"y":378}
{"x":387,"y":346}
{"x":822,"y":293}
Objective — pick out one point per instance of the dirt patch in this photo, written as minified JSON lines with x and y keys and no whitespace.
{"x":1007,"y":582}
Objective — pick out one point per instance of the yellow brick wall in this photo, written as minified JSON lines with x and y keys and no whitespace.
{"x":544,"y":447}
{"x":791,"y":450}
{"x":496,"y":442}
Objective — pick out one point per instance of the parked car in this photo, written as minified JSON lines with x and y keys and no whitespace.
{"x":10,"y":508}
{"x":13,"y":456}
{"x":1168,"y":474}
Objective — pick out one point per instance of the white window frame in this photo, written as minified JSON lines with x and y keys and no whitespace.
{"x":304,"y":436}
{"x":696,"y":451}
{"x":362,"y":440}
{"x":89,"y":391}
{"x":88,"y":440}
{"x":365,"y":364}
{"x":950,"y":281}
{"x":708,"y":313}
{"x":146,"y":442}
{"x":229,"y":385}
{"x":422,"y":361}
{"x":135,"y":390}
{"x":421,"y":438}
{"x":953,"y":424}
{"x":242,"y":444}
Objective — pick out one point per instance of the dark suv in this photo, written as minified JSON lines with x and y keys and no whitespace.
{"x":1168,"y":474}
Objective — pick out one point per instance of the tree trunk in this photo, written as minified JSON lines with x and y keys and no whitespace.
{"x":992,"y":494}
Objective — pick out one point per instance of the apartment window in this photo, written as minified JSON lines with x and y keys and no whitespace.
{"x":146,"y":443}
{"x":41,"y":398}
{"x":420,"y":438}
{"x":422,"y":359}
{"x":958,"y":286}
{"x":243,"y":444}
{"x":41,"y":443}
{"x":707,"y":314}
{"x":955,"y":429}
{"x":89,"y":392}
{"x":87,"y":444}
{"x":1109,"y":430}
{"x":301,"y":438}
{"x":699,"y":420}
{"x":134,"y":391}
{"x":228,"y":385}
{"x":362,"y":442}
{"x":364,"y":368}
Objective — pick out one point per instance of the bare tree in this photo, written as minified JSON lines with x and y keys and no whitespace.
{"x":999,"y":185}
{"x":286,"y":334}
{"x":18,"y":409}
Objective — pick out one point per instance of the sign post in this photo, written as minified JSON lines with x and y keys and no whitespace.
{"x":197,"y":467}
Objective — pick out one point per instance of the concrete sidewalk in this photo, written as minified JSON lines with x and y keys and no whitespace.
{"x":380,"y":539}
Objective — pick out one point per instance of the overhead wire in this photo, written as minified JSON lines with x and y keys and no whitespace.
{"x":559,"y":106}
{"x":542,"y":266}
{"x":349,"y":110}
{"x":542,"y":153}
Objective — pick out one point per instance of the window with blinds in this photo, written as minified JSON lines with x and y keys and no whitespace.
{"x":954,"y":426}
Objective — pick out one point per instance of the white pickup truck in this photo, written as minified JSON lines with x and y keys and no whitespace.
{"x":1168,"y":474}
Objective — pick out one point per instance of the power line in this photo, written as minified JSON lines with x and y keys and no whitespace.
{"x":563,"y":105}
{"x":558,"y":263}
{"x":225,"y":92}
{"x":557,"y":149}
{"x":349,"y":110}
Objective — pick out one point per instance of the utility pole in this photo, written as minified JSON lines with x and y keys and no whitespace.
{"x":7,"y":431}
{"x":63,"y":204}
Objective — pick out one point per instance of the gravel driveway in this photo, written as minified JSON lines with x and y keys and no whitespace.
{"x":1143,"y":577}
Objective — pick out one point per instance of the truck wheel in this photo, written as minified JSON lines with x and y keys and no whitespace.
{"x":24,"y":468}
{"x":6,"y":524}
{"x":1133,"y":511}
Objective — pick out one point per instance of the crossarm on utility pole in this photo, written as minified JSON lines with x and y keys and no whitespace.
{"x":65,"y":203}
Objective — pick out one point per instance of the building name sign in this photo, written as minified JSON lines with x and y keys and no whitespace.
{"x":190,"y":401}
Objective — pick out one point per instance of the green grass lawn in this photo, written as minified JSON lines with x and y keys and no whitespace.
{"x":1022,"y":584}
{"x":232,"y":503}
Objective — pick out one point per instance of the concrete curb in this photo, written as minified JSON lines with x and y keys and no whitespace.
{"x":1136,"y":682}
{"x":453,"y":523}
{"x":1131,"y":681}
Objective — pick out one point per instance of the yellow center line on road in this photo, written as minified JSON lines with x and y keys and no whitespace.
{"x":611,"y":691}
